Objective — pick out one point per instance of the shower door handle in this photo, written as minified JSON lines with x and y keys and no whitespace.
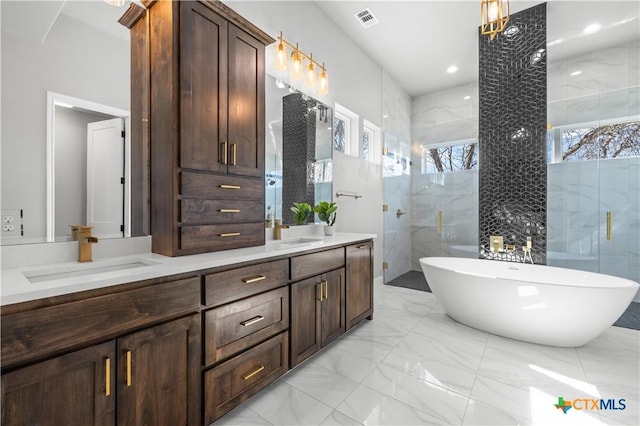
{"x":609,"y":226}
{"x":439,"y":223}
{"x":400,"y":213}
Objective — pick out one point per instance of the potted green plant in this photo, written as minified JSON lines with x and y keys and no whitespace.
{"x":301,"y":212}
{"x":327,"y":213}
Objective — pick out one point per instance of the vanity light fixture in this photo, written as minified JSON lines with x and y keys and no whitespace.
{"x":298,"y":70}
{"x":116,"y":3}
{"x":494,"y":15}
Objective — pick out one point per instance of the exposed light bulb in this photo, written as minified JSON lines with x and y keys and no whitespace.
{"x":323,"y":89}
{"x":310,"y":81}
{"x":493,"y":11}
{"x":282,"y":62}
{"x":296,"y":65}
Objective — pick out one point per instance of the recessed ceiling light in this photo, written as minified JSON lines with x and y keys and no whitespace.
{"x":452,"y":69}
{"x":590,"y":29}
{"x":573,"y":74}
{"x":466,"y":98}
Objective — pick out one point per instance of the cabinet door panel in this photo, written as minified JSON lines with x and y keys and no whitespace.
{"x":359,"y":283}
{"x":333,"y":319}
{"x":67,"y":390}
{"x":158,"y":375}
{"x":203,"y":97}
{"x":246,"y":104}
{"x":305,"y":319}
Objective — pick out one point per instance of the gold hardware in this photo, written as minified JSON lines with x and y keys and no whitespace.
{"x":510,"y":248}
{"x":223,"y":145}
{"x":107,"y":376}
{"x":439,"y":225}
{"x":497,"y":243}
{"x":385,"y":265}
{"x":277,"y":229}
{"x":319,"y":289}
{"x":229,"y":234}
{"x":254,"y":279}
{"x":128,"y":368}
{"x":234,"y":153}
{"x":229,"y":186}
{"x":385,"y":207}
{"x":253,"y":373}
{"x":363,"y":246}
{"x":229,"y":210}
{"x":85,"y":239}
{"x":251,"y":321}
{"x":326,"y":289}
{"x":609,"y":226}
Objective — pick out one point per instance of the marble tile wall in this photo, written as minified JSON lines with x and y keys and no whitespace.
{"x":396,"y":180}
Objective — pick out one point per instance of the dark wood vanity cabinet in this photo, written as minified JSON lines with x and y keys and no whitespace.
{"x":206,"y":126}
{"x":359,"y":281}
{"x":145,"y":370}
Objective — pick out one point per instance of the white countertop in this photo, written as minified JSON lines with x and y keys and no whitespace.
{"x":15,"y":287}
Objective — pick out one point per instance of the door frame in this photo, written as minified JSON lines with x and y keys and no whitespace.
{"x":54,"y":99}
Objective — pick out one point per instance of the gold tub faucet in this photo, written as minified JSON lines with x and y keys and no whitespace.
{"x":85,"y":239}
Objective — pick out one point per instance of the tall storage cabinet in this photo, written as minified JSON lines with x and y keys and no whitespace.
{"x":206,"y":126}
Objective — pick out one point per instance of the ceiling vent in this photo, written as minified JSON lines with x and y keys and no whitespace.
{"x":366,"y":18}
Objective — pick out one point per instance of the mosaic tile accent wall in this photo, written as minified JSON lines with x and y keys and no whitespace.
{"x":298,"y":147}
{"x":512,"y":135}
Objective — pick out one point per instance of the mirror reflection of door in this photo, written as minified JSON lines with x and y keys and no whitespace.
{"x":105,"y":177}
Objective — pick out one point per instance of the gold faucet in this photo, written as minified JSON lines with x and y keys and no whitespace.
{"x":85,"y":239}
{"x":277,"y":229}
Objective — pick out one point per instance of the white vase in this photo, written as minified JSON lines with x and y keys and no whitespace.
{"x":329,"y":230}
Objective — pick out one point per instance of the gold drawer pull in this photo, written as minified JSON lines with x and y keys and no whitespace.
{"x":319,"y":287}
{"x":326,"y":289}
{"x":128,"y":368}
{"x":229,"y":234}
{"x":252,"y":321}
{"x":229,"y":210}
{"x":224,"y":154}
{"x":223,"y":186}
{"x":253,"y":373}
{"x":107,"y":376}
{"x":254,"y":279}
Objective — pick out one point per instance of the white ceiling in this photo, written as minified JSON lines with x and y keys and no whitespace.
{"x":416,"y":41}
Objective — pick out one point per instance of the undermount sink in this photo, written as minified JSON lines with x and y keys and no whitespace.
{"x":81,"y":269}
{"x":300,"y":240}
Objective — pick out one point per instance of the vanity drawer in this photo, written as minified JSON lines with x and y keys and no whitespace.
{"x":227,"y":286}
{"x":221,"y":237}
{"x":316,"y":263}
{"x":227,"y":187}
{"x":232,"y":328}
{"x":196,"y":210}
{"x":234,"y":381}
{"x":39,"y":333}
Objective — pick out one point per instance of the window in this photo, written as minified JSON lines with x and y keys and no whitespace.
{"x":456,"y":156}
{"x":345,"y":133}
{"x":371,"y":148}
{"x":591,"y":141}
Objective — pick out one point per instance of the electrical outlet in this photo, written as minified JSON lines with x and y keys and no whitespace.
{"x":11,"y":223}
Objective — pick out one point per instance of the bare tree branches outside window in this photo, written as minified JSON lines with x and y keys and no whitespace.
{"x":610,"y":141}
{"x":450,"y":158}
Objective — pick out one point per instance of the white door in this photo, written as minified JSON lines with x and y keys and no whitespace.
{"x":105,"y":177}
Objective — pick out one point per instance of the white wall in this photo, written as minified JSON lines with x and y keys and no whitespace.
{"x":355,"y":81}
{"x":73,"y":60}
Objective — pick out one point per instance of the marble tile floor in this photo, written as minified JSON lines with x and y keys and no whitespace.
{"x":413,"y":365}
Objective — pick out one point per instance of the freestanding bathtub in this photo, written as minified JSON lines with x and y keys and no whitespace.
{"x":534,"y":303}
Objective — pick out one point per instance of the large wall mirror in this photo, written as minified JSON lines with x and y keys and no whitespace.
{"x":298,"y":150}
{"x":65,"y":102}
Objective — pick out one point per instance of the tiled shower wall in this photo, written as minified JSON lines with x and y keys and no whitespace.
{"x":513,"y":133}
